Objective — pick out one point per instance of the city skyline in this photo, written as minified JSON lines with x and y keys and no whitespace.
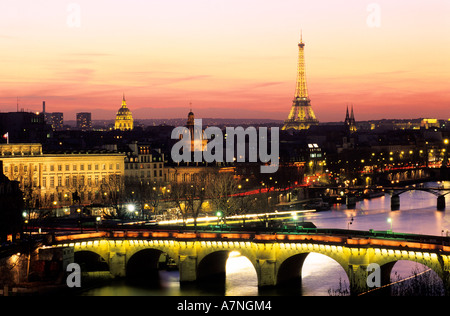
{"x":230,"y":59}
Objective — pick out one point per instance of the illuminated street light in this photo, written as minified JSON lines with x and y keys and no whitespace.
{"x":219,"y":215}
{"x":131,"y":208}
{"x":389,"y":220}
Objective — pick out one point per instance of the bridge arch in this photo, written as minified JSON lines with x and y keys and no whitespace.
{"x":400,"y":192}
{"x":143,"y":264}
{"x":432,"y":285}
{"x":212,"y":266}
{"x":290,"y":270}
{"x":90,"y":261}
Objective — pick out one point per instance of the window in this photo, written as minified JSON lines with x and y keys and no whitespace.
{"x":117,"y":166}
{"x":59,"y":181}
{"x":89,"y":167}
{"x":74,"y":167}
{"x":82,"y":167}
{"x":67,"y":181}
{"x":96,"y":167}
{"x":44,"y":182}
{"x":59,"y":167}
{"x":52,"y":168}
{"x":67,"y":167}
{"x":52,"y":182}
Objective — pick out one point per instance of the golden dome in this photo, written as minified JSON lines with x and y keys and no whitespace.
{"x":124,"y":118}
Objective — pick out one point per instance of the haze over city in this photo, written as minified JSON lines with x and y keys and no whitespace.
{"x":231,"y":59}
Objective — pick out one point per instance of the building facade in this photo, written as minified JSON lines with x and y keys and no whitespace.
{"x":84,"y":121}
{"x":144,"y":164}
{"x":56,"y":179}
{"x":57,"y":121}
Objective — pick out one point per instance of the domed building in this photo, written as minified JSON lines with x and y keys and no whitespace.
{"x":195,"y":134}
{"x":124,"y":118}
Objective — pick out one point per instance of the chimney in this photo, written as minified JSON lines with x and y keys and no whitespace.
{"x":43,"y":107}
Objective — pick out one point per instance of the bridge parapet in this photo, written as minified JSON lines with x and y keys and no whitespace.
{"x":276,"y":256}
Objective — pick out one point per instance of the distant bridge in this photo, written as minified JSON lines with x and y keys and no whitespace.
{"x":395,"y":193}
{"x":277,"y":256}
{"x":440,"y":193}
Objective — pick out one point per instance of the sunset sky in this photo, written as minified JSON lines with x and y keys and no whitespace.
{"x":230,"y":58}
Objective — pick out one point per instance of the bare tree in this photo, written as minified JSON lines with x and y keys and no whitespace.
{"x":221,"y":192}
{"x":189,"y":196}
{"x":112,"y":191}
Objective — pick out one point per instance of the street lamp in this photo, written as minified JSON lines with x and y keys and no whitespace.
{"x":219,"y":214}
{"x":444,"y":164}
{"x":389,"y":220}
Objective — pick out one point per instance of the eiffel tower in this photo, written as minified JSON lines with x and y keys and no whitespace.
{"x":302,"y":115}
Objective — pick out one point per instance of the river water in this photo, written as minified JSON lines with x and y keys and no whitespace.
{"x":320,"y":274}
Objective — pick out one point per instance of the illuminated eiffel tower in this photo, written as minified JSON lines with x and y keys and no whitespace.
{"x":302,"y":115}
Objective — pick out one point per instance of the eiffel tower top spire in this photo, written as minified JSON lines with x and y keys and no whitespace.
{"x":301,"y":89}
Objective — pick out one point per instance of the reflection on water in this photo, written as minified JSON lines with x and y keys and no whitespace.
{"x":417,"y":215}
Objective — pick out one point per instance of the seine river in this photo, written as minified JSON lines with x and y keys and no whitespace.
{"x":320,"y":274}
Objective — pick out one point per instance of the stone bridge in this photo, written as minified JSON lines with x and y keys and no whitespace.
{"x":276,"y":256}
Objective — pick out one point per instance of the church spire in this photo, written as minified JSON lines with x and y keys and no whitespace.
{"x":350,"y":122}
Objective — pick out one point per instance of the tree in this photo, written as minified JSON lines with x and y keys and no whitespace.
{"x":112,"y":192}
{"x":189,"y":196}
{"x":222,"y":193}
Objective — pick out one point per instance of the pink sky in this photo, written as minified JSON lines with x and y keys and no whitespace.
{"x":231,"y":59}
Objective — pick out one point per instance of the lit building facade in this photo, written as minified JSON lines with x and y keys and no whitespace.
{"x":57,"y":121}
{"x":55,"y":179}
{"x":144,"y":164}
{"x":84,"y":121}
{"x":124,"y":118}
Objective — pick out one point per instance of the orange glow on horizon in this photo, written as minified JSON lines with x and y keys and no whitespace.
{"x":231,"y":59}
